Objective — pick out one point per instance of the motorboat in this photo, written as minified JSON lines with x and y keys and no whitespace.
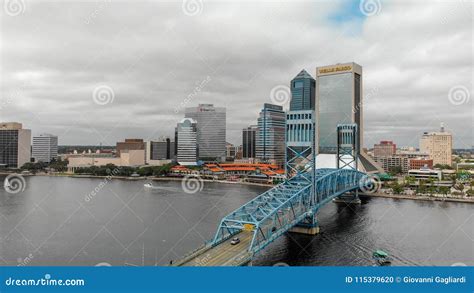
{"x":148,"y":185}
{"x":381,"y":257}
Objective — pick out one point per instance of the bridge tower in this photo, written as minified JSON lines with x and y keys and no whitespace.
{"x":300,"y":160}
{"x":347,"y":156}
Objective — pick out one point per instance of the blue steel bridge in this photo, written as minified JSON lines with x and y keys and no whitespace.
{"x":291,"y":206}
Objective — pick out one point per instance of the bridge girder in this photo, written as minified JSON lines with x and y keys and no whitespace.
{"x":279,"y":209}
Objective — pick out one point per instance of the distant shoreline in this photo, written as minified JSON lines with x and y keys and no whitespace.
{"x":422,"y":198}
{"x":394,"y":196}
{"x":140,"y":178}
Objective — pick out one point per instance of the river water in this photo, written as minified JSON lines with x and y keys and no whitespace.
{"x":82,"y":221}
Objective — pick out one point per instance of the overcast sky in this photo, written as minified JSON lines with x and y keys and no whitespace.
{"x":102,"y":71}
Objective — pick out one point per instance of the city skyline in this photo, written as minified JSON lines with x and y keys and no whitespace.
{"x":149,"y":85}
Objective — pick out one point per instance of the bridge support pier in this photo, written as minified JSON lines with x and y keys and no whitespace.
{"x":308,"y":226}
{"x":348,"y":198}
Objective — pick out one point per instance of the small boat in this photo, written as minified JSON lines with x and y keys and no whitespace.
{"x":148,"y":185}
{"x":162,"y":188}
{"x":381,"y":257}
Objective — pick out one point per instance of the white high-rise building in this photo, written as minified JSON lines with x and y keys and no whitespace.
{"x":211,"y":130}
{"x":186,"y":133}
{"x":45,"y":148}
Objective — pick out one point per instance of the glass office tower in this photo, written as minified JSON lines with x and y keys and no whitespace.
{"x":338,"y":100}
{"x":270,"y":144}
{"x":249,"y":135}
{"x":303,"y":92}
{"x":211,"y":130}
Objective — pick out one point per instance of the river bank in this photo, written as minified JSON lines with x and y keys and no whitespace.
{"x":169,"y":178}
{"x":166,"y":178}
{"x":422,"y":198}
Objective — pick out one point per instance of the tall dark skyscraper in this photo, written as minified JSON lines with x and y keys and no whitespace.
{"x":303,"y":90}
{"x":248,"y":141}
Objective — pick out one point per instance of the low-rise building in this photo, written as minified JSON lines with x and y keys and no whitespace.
{"x":243,"y":170}
{"x":128,"y":158}
{"x":130,"y":144}
{"x":160,"y":152}
{"x":421,"y":163}
{"x":435,"y":177}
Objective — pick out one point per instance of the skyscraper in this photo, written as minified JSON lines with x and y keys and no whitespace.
{"x":187,"y":142}
{"x":270,"y":144}
{"x":45,"y":148}
{"x":211,"y":130}
{"x":303,"y":92}
{"x":15,"y":145}
{"x":438,"y":145}
{"x":249,"y":136}
{"x":338,"y":100}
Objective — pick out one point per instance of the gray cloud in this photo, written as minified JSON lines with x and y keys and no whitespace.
{"x":154,"y":56}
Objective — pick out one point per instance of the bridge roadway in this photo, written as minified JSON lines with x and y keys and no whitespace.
{"x":223,"y":254}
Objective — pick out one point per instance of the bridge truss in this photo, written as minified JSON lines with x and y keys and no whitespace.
{"x":297,"y":200}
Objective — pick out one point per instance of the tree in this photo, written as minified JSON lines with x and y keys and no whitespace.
{"x":59,"y":165}
{"x":396,"y":187}
{"x":453,"y":178}
{"x":459,"y":187}
{"x":441,"y":166}
{"x":431,"y":188}
{"x":444,"y":190}
{"x":421,"y":186}
{"x":410,"y":180}
{"x":395,"y":170}
{"x":145,"y":171}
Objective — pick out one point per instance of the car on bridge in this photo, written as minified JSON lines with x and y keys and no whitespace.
{"x":235,"y":241}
